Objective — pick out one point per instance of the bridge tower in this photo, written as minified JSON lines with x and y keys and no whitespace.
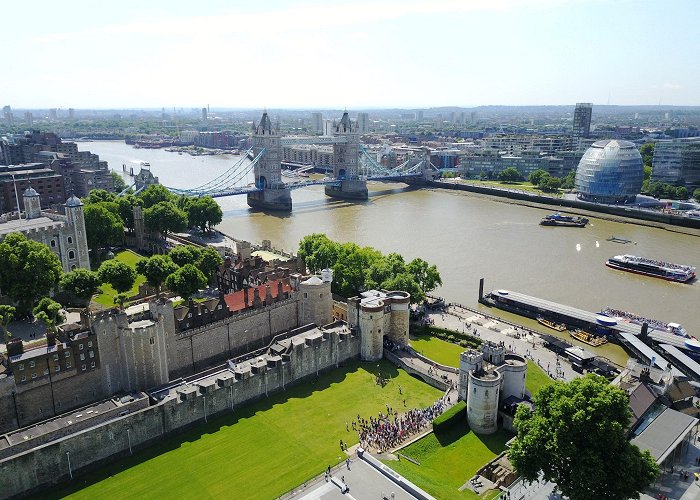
{"x":346,"y":162}
{"x":268,"y":172}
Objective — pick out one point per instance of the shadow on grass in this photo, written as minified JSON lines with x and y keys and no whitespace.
{"x":172,"y":442}
{"x":495,"y":442}
{"x":449,"y":436}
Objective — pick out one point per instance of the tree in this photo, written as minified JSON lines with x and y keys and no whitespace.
{"x":569,"y":181}
{"x":647,"y":152}
{"x":102,"y":228}
{"x":426,"y":276}
{"x":576,"y":436}
{"x":185,"y":254}
{"x":119,"y":184}
{"x":117,"y":274}
{"x":154,"y":194}
{"x":156,"y":270}
{"x":204,"y":213}
{"x":81,"y":283}
{"x":696,"y":195}
{"x":535,"y":176}
{"x":186,"y":281}
{"x":647,"y":172}
{"x":550,"y":183}
{"x":125,"y":210}
{"x":209,"y":260}
{"x":681,"y":193}
{"x":7,"y":314}
{"x":164,"y":217}
{"x":510,"y":175}
{"x":98,"y":196}
{"x":28,"y":270}
{"x":48,"y":311}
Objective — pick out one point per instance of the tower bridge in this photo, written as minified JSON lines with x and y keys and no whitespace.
{"x":353,"y":166}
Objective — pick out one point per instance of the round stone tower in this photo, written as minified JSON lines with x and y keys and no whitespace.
{"x":316,"y":303}
{"x":482,"y":401}
{"x":371,"y":321}
{"x":400,"y":316}
{"x":32,"y":203}
{"x":513,"y":370}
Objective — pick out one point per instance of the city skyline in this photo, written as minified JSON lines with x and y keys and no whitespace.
{"x":357,"y":55}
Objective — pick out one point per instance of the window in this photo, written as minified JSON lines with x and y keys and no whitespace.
{"x":92,"y":354}
{"x":80,"y":346}
{"x":21,"y":367}
{"x":320,"y":295}
{"x":22,"y":378}
{"x":152,"y":341}
{"x":71,"y":254}
{"x":68,"y":365}
{"x":46,"y":371}
{"x":55,"y":357}
{"x":68,"y":354}
{"x":53,"y":243}
{"x":92,"y":364}
{"x":70,"y":239}
{"x":306,"y":295}
{"x":34,"y":375}
{"x":58,"y":368}
{"x":89,"y":343}
{"x":83,"y":368}
{"x":82,"y":356}
{"x":32,"y":364}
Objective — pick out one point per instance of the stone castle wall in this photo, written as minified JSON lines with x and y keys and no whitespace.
{"x":33,"y":470}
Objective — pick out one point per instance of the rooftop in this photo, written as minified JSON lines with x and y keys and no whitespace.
{"x":22,"y":225}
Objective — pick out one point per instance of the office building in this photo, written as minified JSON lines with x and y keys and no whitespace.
{"x":677,"y":161}
{"x":610,"y":171}
{"x":582,"y":122}
{"x":362,"y":123}
{"x":317,"y":122}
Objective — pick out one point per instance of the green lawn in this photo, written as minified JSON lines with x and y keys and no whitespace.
{"x":449,"y":459}
{"x":106,"y":298}
{"x":522,"y":186}
{"x":262,"y":450}
{"x":447,"y":353}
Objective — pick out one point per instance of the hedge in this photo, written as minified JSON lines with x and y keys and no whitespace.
{"x":455,"y":415}
{"x":448,"y":335}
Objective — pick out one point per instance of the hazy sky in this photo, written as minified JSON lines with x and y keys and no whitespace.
{"x":382,"y":53}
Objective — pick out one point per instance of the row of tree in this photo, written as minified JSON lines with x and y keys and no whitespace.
{"x":108,"y":215}
{"x":356,"y":269}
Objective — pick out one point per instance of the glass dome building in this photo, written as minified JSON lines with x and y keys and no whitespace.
{"x":610,"y":171}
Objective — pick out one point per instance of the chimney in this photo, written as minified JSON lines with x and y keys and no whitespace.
{"x":245,"y":297}
{"x":257,"y":303}
{"x":268,"y":295}
{"x":280,"y":290}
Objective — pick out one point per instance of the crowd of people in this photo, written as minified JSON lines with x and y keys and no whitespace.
{"x":390,"y":429}
{"x":653,"y":323}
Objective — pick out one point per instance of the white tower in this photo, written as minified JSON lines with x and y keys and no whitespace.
{"x":32,"y":203}
{"x":77,"y":243}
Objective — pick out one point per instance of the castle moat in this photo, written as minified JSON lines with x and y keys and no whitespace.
{"x":467,"y":236}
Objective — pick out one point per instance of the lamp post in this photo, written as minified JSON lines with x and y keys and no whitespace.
{"x":70,"y":471}
{"x":128,"y":437}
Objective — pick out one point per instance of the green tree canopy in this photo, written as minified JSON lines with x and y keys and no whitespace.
{"x":154,"y":194}
{"x":186,"y":281}
{"x":576,"y":436}
{"x":80,"y":282}
{"x":119,"y":183}
{"x":125,"y":206}
{"x":7,"y":314}
{"x":209,"y":260}
{"x":535,"y":176}
{"x":550,"y":183}
{"x":569,"y":181}
{"x":156,"y":270}
{"x":28,"y":271}
{"x":426,"y":276}
{"x":118,"y":274}
{"x":510,"y":174}
{"x":681,"y":193}
{"x":98,"y":196}
{"x":102,"y":227}
{"x":164,"y":217}
{"x":185,"y":254}
{"x":48,"y":311}
{"x":204,"y":213}
{"x":696,"y":195}
{"x":647,"y":152}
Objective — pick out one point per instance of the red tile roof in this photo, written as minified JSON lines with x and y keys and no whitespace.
{"x":235,"y":301}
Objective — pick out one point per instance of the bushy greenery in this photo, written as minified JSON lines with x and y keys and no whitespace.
{"x":356,"y":268}
{"x":510,"y":174}
{"x":696,"y":195}
{"x":456,"y":415}
{"x":665,"y":190}
{"x":453,"y":336}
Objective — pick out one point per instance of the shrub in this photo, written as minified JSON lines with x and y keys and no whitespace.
{"x":454,"y":416}
{"x":463,"y":343}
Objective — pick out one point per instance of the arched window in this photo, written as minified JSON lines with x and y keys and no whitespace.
{"x":70,"y":239}
{"x":71,"y":254}
{"x":53,"y":243}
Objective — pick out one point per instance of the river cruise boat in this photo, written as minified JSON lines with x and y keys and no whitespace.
{"x":557,"y":219}
{"x":588,"y":338}
{"x":560,"y":327}
{"x":654,"y":324}
{"x":650,"y":267}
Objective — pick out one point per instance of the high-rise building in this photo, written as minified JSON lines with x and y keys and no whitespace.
{"x":582,"y":122}
{"x":317,"y":122}
{"x":419,"y":115}
{"x":677,"y":160}
{"x":362,"y":123}
{"x":53,"y":114}
{"x":204,"y":114}
{"x":7,"y":115}
{"x":29,"y":118}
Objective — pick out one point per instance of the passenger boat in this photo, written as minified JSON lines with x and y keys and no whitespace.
{"x":588,"y":338}
{"x":654,"y":324}
{"x":650,"y":267}
{"x":557,"y":219}
{"x":560,"y":327}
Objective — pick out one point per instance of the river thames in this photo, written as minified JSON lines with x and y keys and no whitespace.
{"x":467,"y":236}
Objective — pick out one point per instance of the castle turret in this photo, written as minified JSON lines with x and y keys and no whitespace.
{"x":32,"y":203}
{"x":77,"y":246}
{"x":316,"y":303}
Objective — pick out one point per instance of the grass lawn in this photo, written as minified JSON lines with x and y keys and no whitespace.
{"x":106,"y":298}
{"x":262,"y":450}
{"x":449,"y":459}
{"x":447,"y":353}
{"x":522,"y":186}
